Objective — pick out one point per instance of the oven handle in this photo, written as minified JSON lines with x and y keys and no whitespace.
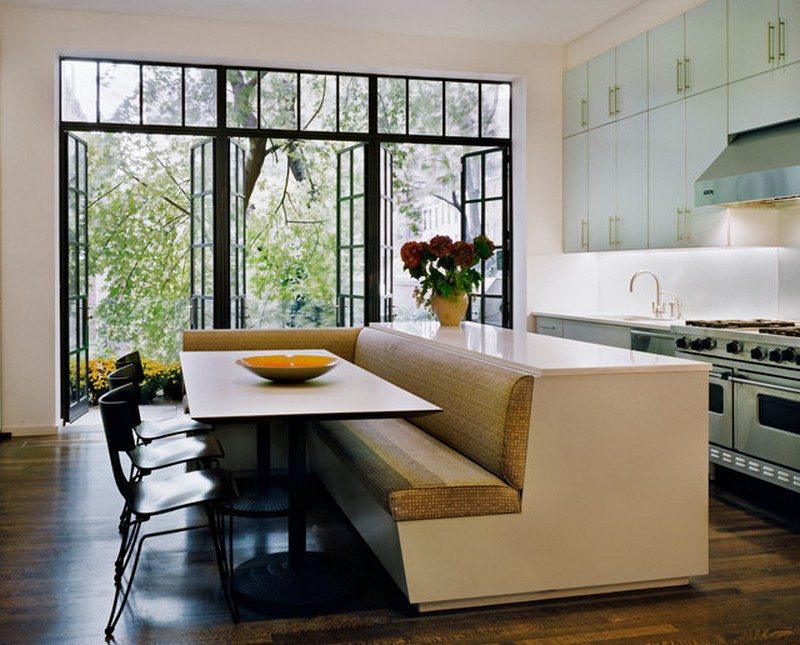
{"x":652,"y":334}
{"x":720,"y":377}
{"x":768,"y":386}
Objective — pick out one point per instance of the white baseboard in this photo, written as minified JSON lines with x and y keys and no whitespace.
{"x":32,"y":431}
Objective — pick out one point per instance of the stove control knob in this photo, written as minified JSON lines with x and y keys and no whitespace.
{"x":789,"y":355}
{"x":708,"y":343}
{"x":696,"y":344}
{"x":757,"y":353}
{"x":776,"y":356}
{"x":682,"y":343}
{"x":734,"y":347}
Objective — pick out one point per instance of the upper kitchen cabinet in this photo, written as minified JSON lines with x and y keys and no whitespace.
{"x":618,"y":82}
{"x":576,"y":218}
{"x":705,"y":64}
{"x":764,"y":99}
{"x":629,"y":230}
{"x":667,"y":176}
{"x":764,"y":35}
{"x":602,"y":173}
{"x":688,"y":54}
{"x":575,"y":101}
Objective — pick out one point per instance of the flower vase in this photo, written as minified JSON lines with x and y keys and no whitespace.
{"x":450,"y":311}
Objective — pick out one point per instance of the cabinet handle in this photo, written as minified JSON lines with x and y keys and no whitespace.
{"x":687,"y":229}
{"x":781,"y":39}
{"x":770,"y":42}
{"x":686,"y":73}
{"x":583,"y":112}
{"x":616,"y":99}
{"x":678,"y":67}
{"x":611,"y":231}
{"x":616,"y":231}
{"x":678,"y":224}
{"x":610,"y":108}
{"x":584,"y":241}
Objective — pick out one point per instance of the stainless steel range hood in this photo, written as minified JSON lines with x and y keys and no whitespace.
{"x":759,"y":166}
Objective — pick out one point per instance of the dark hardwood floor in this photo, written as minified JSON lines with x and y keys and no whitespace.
{"x":58,"y":513}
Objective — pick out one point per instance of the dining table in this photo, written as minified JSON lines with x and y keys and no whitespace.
{"x":220,"y":391}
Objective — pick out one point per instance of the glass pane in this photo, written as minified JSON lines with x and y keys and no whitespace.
{"x":344,"y":271}
{"x":72,"y":213}
{"x":208,"y":218}
{"x":197,"y":270}
{"x":161,"y":90}
{"x":344,"y":174}
{"x":208,"y":271}
{"x":716,"y":398}
{"x":74,"y":321}
{"x":279,"y":100}
{"x":208,"y":314}
{"x":72,"y":271}
{"x":72,"y":161}
{"x":241,"y":98}
{"x":353,"y":104}
{"x":358,"y":220}
{"x":358,"y":272}
{"x":82,"y":270}
{"x":424,"y":107}
{"x":473,"y":178}
{"x":346,"y":311}
{"x":358,"y":170}
{"x":494,"y":174}
{"x":492,"y":311}
{"x":318,"y":102}
{"x":197,"y":215}
{"x":473,"y":224}
{"x":82,"y":206}
{"x":392,"y":105}
{"x":344,"y":223}
{"x":496,"y":109}
{"x":493,"y":222}
{"x":208,"y":167}
{"x":119,"y":93}
{"x":462,"y":109}
{"x":79,"y":90}
{"x":358,"y":312}
{"x":197,"y":171}
{"x":201,"y":96}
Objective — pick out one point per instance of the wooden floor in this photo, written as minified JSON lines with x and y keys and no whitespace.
{"x":58,"y":510}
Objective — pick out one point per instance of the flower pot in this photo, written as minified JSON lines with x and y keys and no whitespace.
{"x":450,"y":311}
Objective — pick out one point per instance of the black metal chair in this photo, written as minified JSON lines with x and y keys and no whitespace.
{"x":211,"y":489}
{"x":149,"y":430}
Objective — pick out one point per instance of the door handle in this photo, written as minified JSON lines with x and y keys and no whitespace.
{"x":584,"y":241}
{"x":583,"y":112}
{"x":770,"y":42}
{"x":678,"y":69}
{"x":678,"y":224}
{"x":616,"y":99}
{"x":781,"y":39}
{"x":685,"y":73}
{"x":687,"y":229}
{"x":611,"y":231}
{"x":610,"y":108}
{"x":616,"y":231}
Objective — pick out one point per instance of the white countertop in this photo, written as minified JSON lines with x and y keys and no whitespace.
{"x":626,"y":320}
{"x":538,"y":354}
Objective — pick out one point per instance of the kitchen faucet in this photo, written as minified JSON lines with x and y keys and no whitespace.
{"x":657,"y":307}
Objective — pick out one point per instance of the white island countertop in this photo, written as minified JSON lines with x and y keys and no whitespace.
{"x":538,"y":354}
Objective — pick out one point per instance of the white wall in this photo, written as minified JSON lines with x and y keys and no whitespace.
{"x":728,"y":282}
{"x":30,"y":42}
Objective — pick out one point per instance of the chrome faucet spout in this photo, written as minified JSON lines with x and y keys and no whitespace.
{"x":657,"y":307}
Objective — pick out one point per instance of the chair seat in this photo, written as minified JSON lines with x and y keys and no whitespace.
{"x":148,"y":430}
{"x":161,"y":454}
{"x":154,"y":496}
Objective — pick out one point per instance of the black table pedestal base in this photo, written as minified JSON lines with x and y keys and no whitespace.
{"x":264,"y":502}
{"x":270,"y":580}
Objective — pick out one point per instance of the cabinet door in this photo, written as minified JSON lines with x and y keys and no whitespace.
{"x":765,"y":99}
{"x":549,"y":326}
{"x":705,"y":64}
{"x":706,"y":138}
{"x":665,"y":48}
{"x":631,"y":91}
{"x":630,"y":229}
{"x":752,"y":29}
{"x":575,"y":108}
{"x":602,"y":183}
{"x":613,"y":335}
{"x":789,"y":26}
{"x":666,"y":174}
{"x":576,"y":233}
{"x":602,"y":80}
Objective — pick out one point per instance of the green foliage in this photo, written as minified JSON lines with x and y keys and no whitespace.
{"x":158,"y":377}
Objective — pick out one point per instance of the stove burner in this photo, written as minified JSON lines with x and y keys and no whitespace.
{"x":761,"y":323}
{"x":781,"y":331}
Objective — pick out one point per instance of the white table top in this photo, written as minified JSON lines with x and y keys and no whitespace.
{"x":537,"y":354}
{"x":218,"y":390}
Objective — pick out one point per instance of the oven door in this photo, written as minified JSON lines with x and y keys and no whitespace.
{"x":767,"y":417}
{"x":720,"y":407}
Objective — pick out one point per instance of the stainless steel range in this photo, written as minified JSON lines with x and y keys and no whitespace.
{"x":754,"y":393}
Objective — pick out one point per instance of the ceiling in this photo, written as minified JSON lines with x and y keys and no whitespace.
{"x":531,"y":21}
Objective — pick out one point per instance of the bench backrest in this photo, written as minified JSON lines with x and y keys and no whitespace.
{"x":486,"y":407}
{"x":337,"y":340}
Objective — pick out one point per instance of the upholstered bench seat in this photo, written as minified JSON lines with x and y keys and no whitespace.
{"x":413,"y":475}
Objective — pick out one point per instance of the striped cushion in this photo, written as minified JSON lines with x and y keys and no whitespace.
{"x":414,"y":476}
{"x":486,"y":407}
{"x":337,"y":340}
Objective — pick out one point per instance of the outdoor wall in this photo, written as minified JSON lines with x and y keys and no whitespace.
{"x":31,"y":41}
{"x":726,"y":282}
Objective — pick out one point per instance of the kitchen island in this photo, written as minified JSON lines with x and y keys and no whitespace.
{"x":616,"y":487}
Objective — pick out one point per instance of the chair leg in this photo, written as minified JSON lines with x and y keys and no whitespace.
{"x":215,"y":523}
{"x":125,"y":552}
{"x":120,"y":596}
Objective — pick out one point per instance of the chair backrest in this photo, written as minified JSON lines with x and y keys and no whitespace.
{"x":123,"y":376}
{"x":118,"y":423}
{"x":132,"y":359}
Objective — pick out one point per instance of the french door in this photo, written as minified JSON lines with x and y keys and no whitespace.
{"x":74,"y":278}
{"x":350,"y":214}
{"x":201,"y":296}
{"x":485,"y":211}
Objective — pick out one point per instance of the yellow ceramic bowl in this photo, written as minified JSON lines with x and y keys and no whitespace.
{"x":289,"y":368}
